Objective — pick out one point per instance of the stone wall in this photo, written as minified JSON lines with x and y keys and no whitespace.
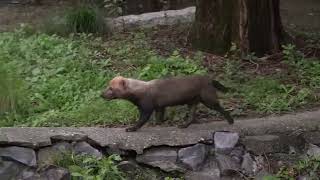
{"x":220,"y":155}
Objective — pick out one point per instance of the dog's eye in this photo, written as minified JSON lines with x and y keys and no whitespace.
{"x":110,"y":89}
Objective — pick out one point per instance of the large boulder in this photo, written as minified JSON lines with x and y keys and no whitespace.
{"x":9,"y":169}
{"x":23,"y":155}
{"x":193,"y":157}
{"x":225,"y":140}
{"x":55,"y":173}
{"x":47,"y":155}
{"x":87,"y":149}
{"x":210,"y":171}
{"x":164,"y":158}
{"x":313,"y":150}
{"x":248,"y":165}
{"x":227,"y":165}
{"x":312,"y":137}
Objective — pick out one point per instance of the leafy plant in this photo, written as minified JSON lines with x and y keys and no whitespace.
{"x":90,"y":168}
{"x":307,"y":69}
{"x":308,"y":167}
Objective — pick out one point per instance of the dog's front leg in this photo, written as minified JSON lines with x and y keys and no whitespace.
{"x":144,"y":117}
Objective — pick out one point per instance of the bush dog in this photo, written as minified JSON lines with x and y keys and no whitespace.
{"x":156,"y":95}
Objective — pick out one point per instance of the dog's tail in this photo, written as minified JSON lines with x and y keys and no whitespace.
{"x":219,"y":86}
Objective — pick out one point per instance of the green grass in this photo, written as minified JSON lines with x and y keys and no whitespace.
{"x":47,"y":80}
{"x":275,"y":93}
{"x":64,"y":77}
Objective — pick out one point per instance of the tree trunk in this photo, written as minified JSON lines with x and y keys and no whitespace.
{"x":254,"y":25}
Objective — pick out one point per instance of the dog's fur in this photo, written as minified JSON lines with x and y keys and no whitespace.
{"x":158,"y":94}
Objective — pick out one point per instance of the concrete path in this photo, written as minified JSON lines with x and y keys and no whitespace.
{"x":156,"y":136}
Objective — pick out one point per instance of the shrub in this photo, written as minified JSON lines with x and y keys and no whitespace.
{"x":85,"y":19}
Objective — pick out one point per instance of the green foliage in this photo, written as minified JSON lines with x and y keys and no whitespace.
{"x":90,"y":168}
{"x":173,"y":66}
{"x":85,"y":19}
{"x":62,"y":78}
{"x":268,"y":95}
{"x":308,"y":167}
{"x":307,"y":69}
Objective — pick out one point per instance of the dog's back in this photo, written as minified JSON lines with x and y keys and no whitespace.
{"x":177,"y":90}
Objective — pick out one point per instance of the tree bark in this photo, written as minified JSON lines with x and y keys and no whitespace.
{"x":254,"y":25}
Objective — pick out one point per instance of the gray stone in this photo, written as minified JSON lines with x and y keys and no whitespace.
{"x":225,"y":140}
{"x":47,"y":155}
{"x":303,"y":178}
{"x":313,"y":150}
{"x":145,"y":20}
{"x":55,"y":173}
{"x":28,"y":137}
{"x":264,"y":144}
{"x":227,"y":165}
{"x":237,"y":153}
{"x":210,"y":171}
{"x":193,"y":157}
{"x":23,"y":155}
{"x":87,"y":149}
{"x":9,"y":169}
{"x":248,"y":165}
{"x":312,"y":137}
{"x":28,"y":174}
{"x":128,"y":166}
{"x":165,"y":158}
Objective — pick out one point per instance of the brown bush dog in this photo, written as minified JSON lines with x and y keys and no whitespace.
{"x":156,"y":95}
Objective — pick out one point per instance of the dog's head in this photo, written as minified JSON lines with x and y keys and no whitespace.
{"x":116,"y":89}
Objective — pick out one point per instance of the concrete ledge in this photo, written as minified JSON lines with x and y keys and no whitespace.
{"x":158,"y":136}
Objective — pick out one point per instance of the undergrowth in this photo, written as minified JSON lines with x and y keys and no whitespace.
{"x":91,"y":168}
{"x":273,"y":94}
{"x":309,"y":167}
{"x":47,"y":80}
